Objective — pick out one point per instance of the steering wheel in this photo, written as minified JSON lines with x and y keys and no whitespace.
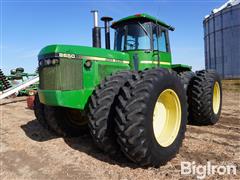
{"x":131,"y":43}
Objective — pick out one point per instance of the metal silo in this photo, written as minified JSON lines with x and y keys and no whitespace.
{"x":222,"y":40}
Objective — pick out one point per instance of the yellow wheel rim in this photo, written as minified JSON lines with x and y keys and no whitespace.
{"x":167,"y":118}
{"x":216,"y":98}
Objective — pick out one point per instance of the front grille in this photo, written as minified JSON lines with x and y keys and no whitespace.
{"x":67,"y":75}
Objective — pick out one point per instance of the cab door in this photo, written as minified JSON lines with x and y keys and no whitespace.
{"x":161,"y":47}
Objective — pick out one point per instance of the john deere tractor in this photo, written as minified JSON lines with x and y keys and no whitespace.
{"x":132,"y":98}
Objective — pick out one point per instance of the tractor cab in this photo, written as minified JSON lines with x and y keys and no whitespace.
{"x":145,"y":39}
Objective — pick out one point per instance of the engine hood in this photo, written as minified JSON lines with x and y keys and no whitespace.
{"x":83,"y":51}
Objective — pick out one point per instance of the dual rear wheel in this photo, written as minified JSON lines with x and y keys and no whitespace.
{"x":149,"y":116}
{"x":204,"y":91}
{"x":151,"y":110}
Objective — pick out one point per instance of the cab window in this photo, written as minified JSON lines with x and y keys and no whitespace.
{"x":160,"y":40}
{"x":133,"y":36}
{"x":163,"y":42}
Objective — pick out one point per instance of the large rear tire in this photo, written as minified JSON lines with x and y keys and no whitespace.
{"x":205,"y":98}
{"x":151,"y":117}
{"x":102,"y":111}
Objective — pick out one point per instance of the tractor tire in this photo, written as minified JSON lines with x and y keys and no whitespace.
{"x":38,"y":108}
{"x":102,"y":111}
{"x":58,"y":120}
{"x":66,"y":122}
{"x":205,"y":98}
{"x":145,"y":108}
{"x":186,"y":77}
{"x":40,"y":113}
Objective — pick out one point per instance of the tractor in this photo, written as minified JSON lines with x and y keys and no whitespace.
{"x":131,"y":99}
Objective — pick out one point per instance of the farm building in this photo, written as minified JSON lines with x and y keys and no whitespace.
{"x":222,"y":40}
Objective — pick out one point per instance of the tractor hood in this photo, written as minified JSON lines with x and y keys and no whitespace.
{"x":72,"y":51}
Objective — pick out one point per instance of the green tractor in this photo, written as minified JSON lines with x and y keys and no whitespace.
{"x":131,"y":99}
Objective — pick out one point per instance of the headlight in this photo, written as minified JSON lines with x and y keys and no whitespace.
{"x":88,"y":64}
{"x":55,"y":61}
{"x":40,"y":63}
{"x":48,"y":62}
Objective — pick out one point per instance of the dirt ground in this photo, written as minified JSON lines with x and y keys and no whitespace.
{"x":30,"y":152}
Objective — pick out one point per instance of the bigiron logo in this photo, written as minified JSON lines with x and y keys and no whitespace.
{"x":202,"y":171}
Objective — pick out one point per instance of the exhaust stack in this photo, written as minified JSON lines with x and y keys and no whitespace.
{"x":96,"y":31}
{"x":107,"y":30}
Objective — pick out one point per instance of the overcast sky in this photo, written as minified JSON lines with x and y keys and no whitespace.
{"x":29,"y":25}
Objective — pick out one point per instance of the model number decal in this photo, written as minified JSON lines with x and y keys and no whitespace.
{"x":70,"y":56}
{"x":74,"y":56}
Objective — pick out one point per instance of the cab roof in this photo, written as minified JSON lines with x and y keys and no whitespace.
{"x":144,"y":17}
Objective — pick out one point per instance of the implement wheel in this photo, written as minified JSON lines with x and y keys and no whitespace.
{"x":151,"y":117}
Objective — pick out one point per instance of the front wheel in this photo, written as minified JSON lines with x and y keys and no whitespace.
{"x":66,"y":122}
{"x":151,"y":117}
{"x":38,"y":108}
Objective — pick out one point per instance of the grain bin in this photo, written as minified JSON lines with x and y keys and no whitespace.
{"x":222,"y":40}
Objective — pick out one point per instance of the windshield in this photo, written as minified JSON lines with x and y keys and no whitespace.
{"x":133,"y":37}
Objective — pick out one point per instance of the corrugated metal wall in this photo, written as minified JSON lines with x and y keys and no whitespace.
{"x":222,"y":42}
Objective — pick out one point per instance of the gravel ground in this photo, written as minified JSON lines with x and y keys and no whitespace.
{"x":30,"y":152}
